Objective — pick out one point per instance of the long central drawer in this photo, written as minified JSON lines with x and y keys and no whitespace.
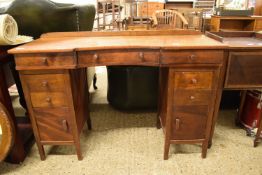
{"x":119,"y":57}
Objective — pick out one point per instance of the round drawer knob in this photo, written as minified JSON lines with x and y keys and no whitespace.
{"x":48,"y":100}
{"x":194,"y":81}
{"x":141,"y":56}
{"x":44,"y":61}
{"x":96,"y":56}
{"x":44,"y":83}
{"x":192,"y":97}
{"x":192,"y":57}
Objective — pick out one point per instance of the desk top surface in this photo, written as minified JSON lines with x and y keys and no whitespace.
{"x":84,"y":43}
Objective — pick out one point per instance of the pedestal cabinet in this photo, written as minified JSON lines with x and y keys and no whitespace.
{"x":189,"y":93}
{"x":58,"y":106}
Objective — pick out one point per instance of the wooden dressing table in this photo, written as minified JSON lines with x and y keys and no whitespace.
{"x":53,"y":74}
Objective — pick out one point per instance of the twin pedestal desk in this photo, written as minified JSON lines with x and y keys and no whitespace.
{"x":194,"y":69}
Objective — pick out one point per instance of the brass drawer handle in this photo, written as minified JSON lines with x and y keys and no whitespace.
{"x":177,"y":124}
{"x":192,"y":97}
{"x":192,"y":57}
{"x":44,"y":83}
{"x":48,"y":99}
{"x":194,"y":81}
{"x":65,"y":125}
{"x":141,"y":56}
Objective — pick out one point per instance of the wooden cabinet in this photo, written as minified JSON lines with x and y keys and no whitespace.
{"x":189,"y":93}
{"x":58,"y":106}
{"x":234,"y":23}
{"x":242,"y":66}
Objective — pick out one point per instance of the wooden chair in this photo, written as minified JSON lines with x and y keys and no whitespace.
{"x":168,"y":19}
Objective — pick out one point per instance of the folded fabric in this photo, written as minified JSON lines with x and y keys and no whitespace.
{"x":9,"y":31}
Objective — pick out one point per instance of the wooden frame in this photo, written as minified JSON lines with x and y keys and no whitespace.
{"x":7,"y":139}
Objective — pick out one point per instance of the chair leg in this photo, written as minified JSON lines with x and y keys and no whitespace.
{"x":94,"y":81}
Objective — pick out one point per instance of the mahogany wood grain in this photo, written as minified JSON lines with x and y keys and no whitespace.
{"x":191,"y":56}
{"x":48,"y":99}
{"x":191,"y":122}
{"x":70,"y":44}
{"x":52,"y":124}
{"x":123,"y":48}
{"x":114,"y":57}
{"x":45,"y":61}
{"x":43,"y":83}
{"x":57,"y":110}
{"x":192,"y":97}
{"x":242,"y":66}
{"x":193,"y":80}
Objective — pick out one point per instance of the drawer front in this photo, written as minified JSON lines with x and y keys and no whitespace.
{"x":258,"y":25}
{"x":53,"y":125}
{"x":189,"y":123}
{"x":244,"y":70}
{"x":193,"y":80}
{"x":112,"y":57}
{"x":184,"y":57}
{"x":48,"y":99}
{"x":45,"y":61}
{"x":45,"y":82}
{"x":192,"y":97}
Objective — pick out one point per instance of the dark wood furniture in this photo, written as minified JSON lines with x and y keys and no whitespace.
{"x":23,"y":136}
{"x":259,"y":132}
{"x":244,"y":63}
{"x":236,"y":23}
{"x":51,"y":69}
{"x":7,"y":132}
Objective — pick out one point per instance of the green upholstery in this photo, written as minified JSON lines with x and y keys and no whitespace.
{"x":35,"y":17}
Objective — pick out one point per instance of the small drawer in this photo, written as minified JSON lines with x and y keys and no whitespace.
{"x":48,"y":99}
{"x":45,"y":61}
{"x":192,"y":97}
{"x":193,"y":80}
{"x":45,"y":82}
{"x":184,"y":57}
{"x":189,"y":123}
{"x":53,"y":125}
{"x":115,"y":57}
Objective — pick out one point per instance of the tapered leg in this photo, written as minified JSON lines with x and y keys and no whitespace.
{"x":89,"y":124}
{"x":41,"y":151}
{"x":78,"y":151}
{"x":158,"y":124}
{"x":205,"y":144}
{"x":166,"y":149}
